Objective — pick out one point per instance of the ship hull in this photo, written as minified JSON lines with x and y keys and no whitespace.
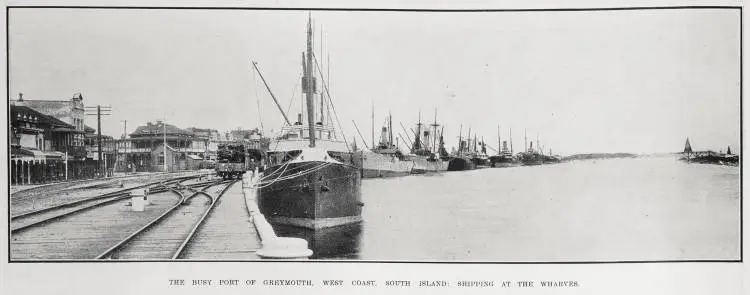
{"x":460,"y":164}
{"x":503,"y":162}
{"x":422,"y":165}
{"x":376,"y":165}
{"x":313,"y":195}
{"x":531,"y":163}
{"x":480,"y":163}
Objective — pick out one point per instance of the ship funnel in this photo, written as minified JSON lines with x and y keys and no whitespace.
{"x":505,"y":146}
{"x":384,"y":135}
{"x":299,"y":119}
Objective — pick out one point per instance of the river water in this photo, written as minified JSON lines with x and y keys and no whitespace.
{"x":594,"y":210}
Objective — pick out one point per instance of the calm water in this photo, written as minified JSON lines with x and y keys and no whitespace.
{"x":603,"y":210}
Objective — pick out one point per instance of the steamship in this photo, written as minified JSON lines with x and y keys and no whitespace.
{"x":423,"y":150}
{"x":312,"y":179}
{"x":385,"y":159}
{"x":460,"y":159}
{"x":504,"y":157}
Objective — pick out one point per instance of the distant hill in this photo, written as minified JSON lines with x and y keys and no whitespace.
{"x":599,"y":156}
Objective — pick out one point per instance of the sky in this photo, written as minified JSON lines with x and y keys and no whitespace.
{"x":593,"y":81}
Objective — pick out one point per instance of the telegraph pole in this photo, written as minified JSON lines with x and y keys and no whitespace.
{"x":107,"y":111}
{"x":164,"y":125}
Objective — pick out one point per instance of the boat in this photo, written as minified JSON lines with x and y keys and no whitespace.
{"x":423,"y":151}
{"x":504,"y":157}
{"x":531,"y":157}
{"x":709,"y":157}
{"x":459,"y":159}
{"x":551,"y":159}
{"x":385,"y":159}
{"x":311,"y":179}
{"x":479,"y":154}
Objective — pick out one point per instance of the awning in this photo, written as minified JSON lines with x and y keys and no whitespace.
{"x":66,"y":130}
{"x":26,"y":154}
{"x":194,"y":157}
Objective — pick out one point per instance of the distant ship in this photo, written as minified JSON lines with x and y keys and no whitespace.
{"x":460,"y":159}
{"x":551,"y":159}
{"x":312,"y":179}
{"x":531,"y":157}
{"x":423,"y":151}
{"x":385,"y":159}
{"x":504,"y":157}
{"x":709,"y":157}
{"x":479,"y":153}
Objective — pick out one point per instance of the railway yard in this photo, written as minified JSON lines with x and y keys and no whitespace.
{"x":195,"y":216}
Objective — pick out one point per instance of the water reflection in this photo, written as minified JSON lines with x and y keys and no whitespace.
{"x":341,"y":242}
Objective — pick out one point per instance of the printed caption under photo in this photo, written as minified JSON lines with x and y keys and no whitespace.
{"x":239,"y":283}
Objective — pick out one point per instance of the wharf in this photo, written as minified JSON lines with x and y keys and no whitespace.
{"x":229,"y":233}
{"x":88,"y":234}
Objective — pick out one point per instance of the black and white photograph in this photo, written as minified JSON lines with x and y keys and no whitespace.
{"x":335,"y":135}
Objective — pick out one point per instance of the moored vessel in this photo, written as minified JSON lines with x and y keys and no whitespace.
{"x":504,"y":156}
{"x":312,"y":179}
{"x":459,"y":159}
{"x":385,"y":159}
{"x":424,"y":149}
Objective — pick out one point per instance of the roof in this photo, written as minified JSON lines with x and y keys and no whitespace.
{"x":17,"y":111}
{"x":151,"y":129}
{"x":196,"y":129}
{"x":56,"y":108}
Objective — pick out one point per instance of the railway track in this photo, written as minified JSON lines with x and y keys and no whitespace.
{"x":170,"y":234}
{"x":40,"y":217}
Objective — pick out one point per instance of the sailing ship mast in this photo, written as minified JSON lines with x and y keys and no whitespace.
{"x":310,"y":84}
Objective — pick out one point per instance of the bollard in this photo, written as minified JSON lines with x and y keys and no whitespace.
{"x":138,"y":200}
{"x":137,"y":203}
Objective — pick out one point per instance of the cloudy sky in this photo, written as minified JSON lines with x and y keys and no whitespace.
{"x":593,"y":81}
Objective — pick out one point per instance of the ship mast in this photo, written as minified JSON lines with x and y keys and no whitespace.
{"x":322,"y":101}
{"x":499,"y":142}
{"x":418,"y":135}
{"x":372,"y":117}
{"x":310,"y":83}
{"x":434,"y":134}
{"x":460,"y":139}
{"x":525,"y":141}
{"x":390,"y":128}
{"x":511,"y":141}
